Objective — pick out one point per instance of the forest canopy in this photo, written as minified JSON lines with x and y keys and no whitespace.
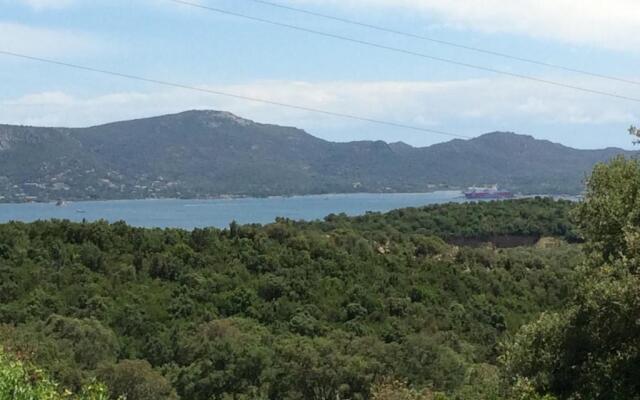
{"x":290,"y":310}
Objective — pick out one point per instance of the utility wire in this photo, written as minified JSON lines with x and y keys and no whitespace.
{"x":408,"y":52}
{"x":231,"y":95}
{"x":445,"y":42}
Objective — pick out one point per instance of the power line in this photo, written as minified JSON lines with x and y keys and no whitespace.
{"x":231,"y":95}
{"x":445,"y":42}
{"x":408,"y":52}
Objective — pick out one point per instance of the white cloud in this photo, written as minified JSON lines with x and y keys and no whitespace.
{"x":47,"y":4}
{"x":477,"y":105}
{"x":611,"y":24}
{"x":42,"y":41}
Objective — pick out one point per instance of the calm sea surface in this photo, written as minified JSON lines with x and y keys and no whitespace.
{"x":191,"y":214}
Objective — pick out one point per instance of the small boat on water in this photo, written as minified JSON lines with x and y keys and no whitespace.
{"x":61,"y":203}
{"x":488,"y":193}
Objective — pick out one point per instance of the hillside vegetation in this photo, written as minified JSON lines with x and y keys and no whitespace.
{"x":290,"y":310}
{"x":200,"y":154}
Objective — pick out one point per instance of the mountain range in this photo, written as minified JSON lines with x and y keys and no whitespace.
{"x":201,"y":154}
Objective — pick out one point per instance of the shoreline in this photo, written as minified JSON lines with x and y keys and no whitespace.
{"x":568,"y":196}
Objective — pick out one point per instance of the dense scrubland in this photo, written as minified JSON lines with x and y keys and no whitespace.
{"x":383,"y":306}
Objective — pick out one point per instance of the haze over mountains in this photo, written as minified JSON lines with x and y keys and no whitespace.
{"x":199,"y":154}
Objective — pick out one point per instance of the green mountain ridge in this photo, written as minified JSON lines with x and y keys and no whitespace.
{"x":200,"y":154}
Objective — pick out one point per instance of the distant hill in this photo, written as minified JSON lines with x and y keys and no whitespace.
{"x":197,"y":154}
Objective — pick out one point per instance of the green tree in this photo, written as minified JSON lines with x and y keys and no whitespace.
{"x":391,"y":389}
{"x":21,"y":381}
{"x":222,"y":358}
{"x":135,"y":380}
{"x":634,"y":132}
{"x":591,"y":349}
{"x":609,"y":217}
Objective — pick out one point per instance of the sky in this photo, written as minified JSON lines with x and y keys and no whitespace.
{"x":162,"y":40}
